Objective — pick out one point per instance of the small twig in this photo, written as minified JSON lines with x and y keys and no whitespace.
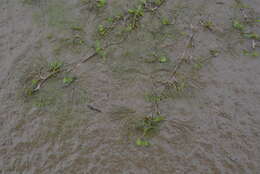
{"x":82,"y":61}
{"x":173,"y":80}
{"x":182,"y":57}
{"x":126,"y":17}
{"x":43,"y":80}
{"x":89,"y":57}
{"x":158,"y":6}
{"x":181,"y":60}
{"x":93,"y":55}
{"x":194,"y":85}
{"x":94,"y":109}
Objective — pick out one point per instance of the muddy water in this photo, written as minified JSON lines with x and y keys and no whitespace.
{"x":211,"y":127}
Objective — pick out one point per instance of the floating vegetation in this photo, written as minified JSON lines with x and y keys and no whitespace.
{"x":214,"y":52}
{"x":238,"y":25}
{"x":165,"y":21}
{"x":147,"y":126}
{"x":142,"y":142}
{"x":68,"y":80}
{"x":55,"y":66}
{"x":251,"y":53}
{"x":101,"y":3}
{"x":102,"y":30}
{"x":163,"y":59}
{"x":252,"y":36}
{"x":77,"y":28}
{"x":122,"y":25}
{"x":99,"y":50}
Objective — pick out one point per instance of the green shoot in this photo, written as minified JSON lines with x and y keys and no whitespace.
{"x":55,"y":66}
{"x":99,"y":49}
{"x":101,"y":3}
{"x":158,"y":2}
{"x":149,"y":124}
{"x":137,"y":11}
{"x":102,"y":30}
{"x":252,"y":36}
{"x":253,"y":54}
{"x":238,"y":25}
{"x":165,"y":21}
{"x":163,"y":59}
{"x":77,"y":28}
{"x":68,"y":80}
{"x":141,"y":142}
{"x":214,"y":53}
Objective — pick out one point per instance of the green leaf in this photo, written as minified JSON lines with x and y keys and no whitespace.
{"x":237,"y":25}
{"x":110,"y":19}
{"x":77,"y":28}
{"x":68,"y":80}
{"x":102,"y":30}
{"x":252,"y":36}
{"x":159,"y":119}
{"x":165,"y":21}
{"x":98,"y":46}
{"x":140,"y":142}
{"x":148,"y":129}
{"x":131,"y":11}
{"x":55,"y":66}
{"x":163,"y":59}
{"x":101,"y":3}
{"x":158,"y":2}
{"x":214,"y":53}
{"x":253,"y":54}
{"x":34,"y":82}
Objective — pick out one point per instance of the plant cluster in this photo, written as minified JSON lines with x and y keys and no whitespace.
{"x":147,"y":126}
{"x":101,"y":3}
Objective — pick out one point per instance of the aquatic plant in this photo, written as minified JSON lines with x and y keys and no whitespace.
{"x":55,"y":66}
{"x":101,"y":3}
{"x":146,"y":126}
{"x":238,"y":25}
{"x":68,"y":80}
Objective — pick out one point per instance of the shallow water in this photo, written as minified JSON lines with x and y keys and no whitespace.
{"x":212,"y":123}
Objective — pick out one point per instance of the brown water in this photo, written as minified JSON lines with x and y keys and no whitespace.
{"x":212,"y":126}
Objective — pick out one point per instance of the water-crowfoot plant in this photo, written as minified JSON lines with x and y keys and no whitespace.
{"x":55,"y":66}
{"x":142,"y":142}
{"x":165,"y":21}
{"x":214,"y":52}
{"x":77,"y":28}
{"x":101,"y":3}
{"x":163,"y":59}
{"x":99,"y":50}
{"x":136,"y":14}
{"x":146,"y":126}
{"x":251,"y":53}
{"x":238,"y":25}
{"x":252,"y":36}
{"x":102,"y":30}
{"x":68,"y":80}
{"x":158,"y":2}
